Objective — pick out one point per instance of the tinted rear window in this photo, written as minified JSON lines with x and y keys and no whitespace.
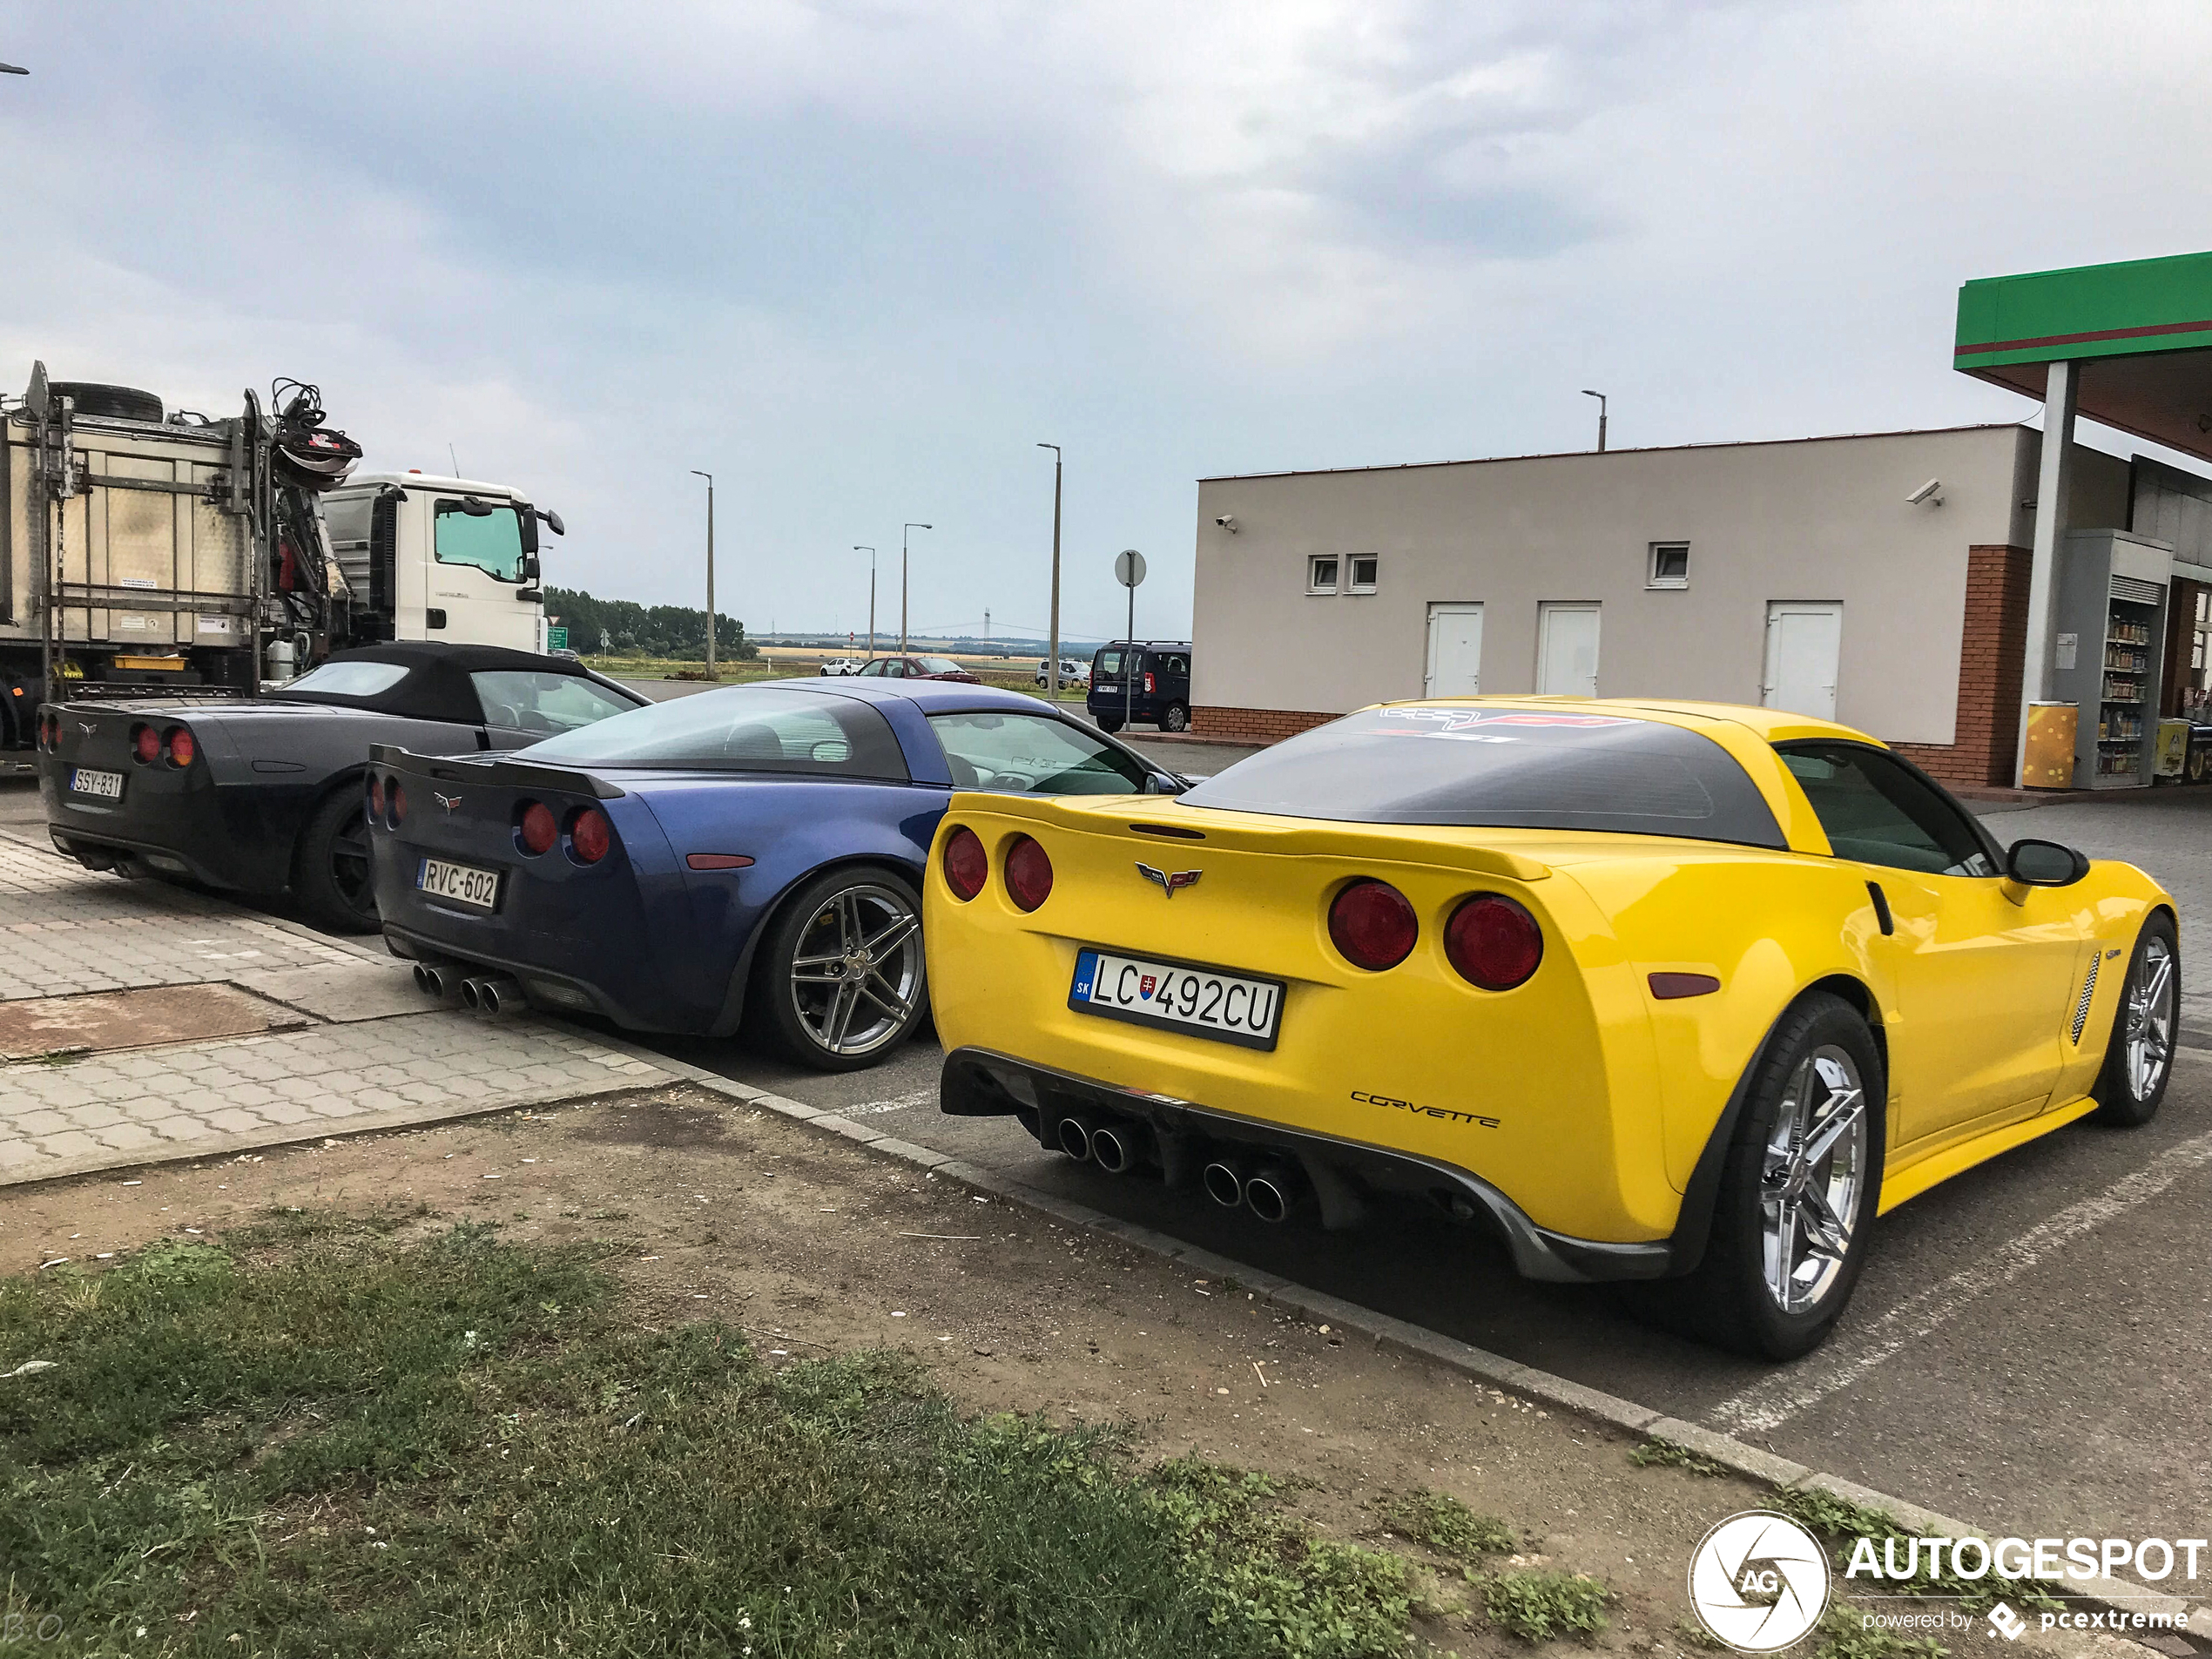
{"x":1509,"y":768}
{"x":739,"y":728}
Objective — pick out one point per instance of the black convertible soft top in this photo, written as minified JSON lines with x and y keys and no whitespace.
{"x":438,"y":685}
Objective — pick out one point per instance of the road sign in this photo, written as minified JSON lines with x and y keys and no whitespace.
{"x":556,"y":639}
{"x":1128,"y":567}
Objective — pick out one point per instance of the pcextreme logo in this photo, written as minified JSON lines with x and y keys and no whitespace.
{"x":1759,"y":1582}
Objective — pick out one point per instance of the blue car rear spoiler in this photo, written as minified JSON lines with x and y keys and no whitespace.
{"x":519,"y":774}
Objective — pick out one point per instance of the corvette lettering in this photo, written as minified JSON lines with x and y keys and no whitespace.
{"x":1443,"y":1112}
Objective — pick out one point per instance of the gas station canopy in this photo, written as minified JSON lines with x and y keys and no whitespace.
{"x":2140,"y":333}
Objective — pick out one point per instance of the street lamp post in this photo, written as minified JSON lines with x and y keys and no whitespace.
{"x":709,"y":477}
{"x":1052,"y":663}
{"x":910,"y":525}
{"x":1600,"y":397}
{"x":861,"y":547}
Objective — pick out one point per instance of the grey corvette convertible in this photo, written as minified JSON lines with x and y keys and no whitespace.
{"x":264,"y":797}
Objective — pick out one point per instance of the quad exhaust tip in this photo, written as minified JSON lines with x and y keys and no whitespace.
{"x":491,"y":995}
{"x":1269,"y":1193}
{"x":432,"y":981}
{"x":1075,"y":1138}
{"x":1224,"y":1184}
{"x":1114,"y":1149}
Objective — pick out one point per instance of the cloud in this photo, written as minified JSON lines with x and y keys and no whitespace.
{"x":858,"y":258}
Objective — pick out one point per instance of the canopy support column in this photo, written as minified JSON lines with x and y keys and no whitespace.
{"x":2054,"y":488}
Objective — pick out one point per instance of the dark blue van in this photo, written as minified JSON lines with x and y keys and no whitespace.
{"x":1142,"y":679}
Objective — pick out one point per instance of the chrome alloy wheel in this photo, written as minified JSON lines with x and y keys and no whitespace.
{"x":2148,"y":1032}
{"x":858,"y":971}
{"x":1813,"y":1178}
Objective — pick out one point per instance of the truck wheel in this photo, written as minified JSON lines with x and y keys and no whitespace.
{"x":330,"y":873}
{"x":109,"y":402}
{"x":2139,"y":1057}
{"x":1177,"y":718}
{"x":840,"y":980}
{"x":1797,"y":1194}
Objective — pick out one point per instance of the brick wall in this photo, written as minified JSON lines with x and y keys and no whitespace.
{"x":1253,"y":726}
{"x":1993,"y":651}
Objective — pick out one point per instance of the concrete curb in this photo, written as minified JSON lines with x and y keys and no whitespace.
{"x":2109,"y":1595}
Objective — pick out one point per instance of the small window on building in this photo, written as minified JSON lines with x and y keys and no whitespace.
{"x":1364,"y":568}
{"x":1321,"y":573}
{"x":1669,"y":565}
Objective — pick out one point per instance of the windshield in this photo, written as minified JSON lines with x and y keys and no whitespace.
{"x":529,"y":700}
{"x":1034,"y":755}
{"x":350,"y":679}
{"x":941,"y":666}
{"x":1528,"y":768}
{"x":491,"y":542}
{"x":739,"y":728}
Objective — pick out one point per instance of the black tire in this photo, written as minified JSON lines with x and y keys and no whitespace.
{"x":330,"y":873}
{"x":109,"y":402}
{"x":1110,"y":724}
{"x":1727,"y":1299}
{"x":800,"y":1017}
{"x":1177,"y":718}
{"x":2139,"y":1054}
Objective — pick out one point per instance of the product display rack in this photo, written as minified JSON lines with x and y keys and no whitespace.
{"x":2108,"y":652}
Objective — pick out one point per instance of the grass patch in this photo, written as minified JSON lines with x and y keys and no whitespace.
{"x":345,"y":1442}
{"x":1659,"y":1453}
{"x":1443,"y":1523}
{"x":1840,"y":1635}
{"x":1842,"y":1523}
{"x":1537,"y":1606}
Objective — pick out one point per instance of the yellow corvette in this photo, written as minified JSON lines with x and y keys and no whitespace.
{"x":1669,"y":992}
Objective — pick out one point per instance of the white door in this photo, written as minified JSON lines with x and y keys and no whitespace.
{"x":1566,"y":650}
{"x":1454,"y":652}
{"x":1804,"y":641}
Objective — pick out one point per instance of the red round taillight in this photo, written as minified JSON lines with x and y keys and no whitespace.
{"x":375,"y":798}
{"x":1493,"y":942}
{"x":590,"y":836}
{"x":1029,"y":873}
{"x":1372,"y":925}
{"x":967,"y":866}
{"x":538,"y":830}
{"x":182,"y":745}
{"x":399,"y":804}
{"x":50,"y":732}
{"x":145,"y":743}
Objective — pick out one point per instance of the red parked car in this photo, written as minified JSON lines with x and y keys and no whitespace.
{"x":917,"y":668}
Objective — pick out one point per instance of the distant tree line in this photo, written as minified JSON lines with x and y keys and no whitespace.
{"x":622,"y":627}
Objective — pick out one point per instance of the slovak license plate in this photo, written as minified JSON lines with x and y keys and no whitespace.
{"x":461,"y":883}
{"x":1178,"y":996}
{"x":108,"y":786}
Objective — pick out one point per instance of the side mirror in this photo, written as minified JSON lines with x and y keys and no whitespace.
{"x":553,"y":520}
{"x":530,"y":569}
{"x":2045,"y":864}
{"x":1164,"y":783}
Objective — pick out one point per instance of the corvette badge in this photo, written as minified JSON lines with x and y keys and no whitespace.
{"x":1169,"y":883}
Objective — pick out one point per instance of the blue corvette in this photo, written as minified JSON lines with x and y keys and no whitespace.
{"x":746,"y":856}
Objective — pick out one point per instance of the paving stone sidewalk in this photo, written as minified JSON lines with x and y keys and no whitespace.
{"x":373,"y":1053}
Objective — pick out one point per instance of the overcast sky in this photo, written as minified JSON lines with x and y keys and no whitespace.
{"x":858,"y":256}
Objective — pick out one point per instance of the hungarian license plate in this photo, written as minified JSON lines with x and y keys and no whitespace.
{"x":1178,"y":996}
{"x":108,"y":786}
{"x":459,"y":883}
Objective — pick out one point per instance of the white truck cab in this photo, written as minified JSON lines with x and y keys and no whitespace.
{"x":444,"y":558}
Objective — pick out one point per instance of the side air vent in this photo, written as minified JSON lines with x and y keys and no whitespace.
{"x":2089,"y":990}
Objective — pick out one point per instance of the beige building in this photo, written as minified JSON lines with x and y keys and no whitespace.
{"x":1880,"y":579}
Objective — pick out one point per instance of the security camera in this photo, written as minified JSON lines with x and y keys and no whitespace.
{"x":1227,"y":523}
{"x":1927,"y":492}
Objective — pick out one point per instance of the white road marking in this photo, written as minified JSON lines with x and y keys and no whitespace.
{"x":1769,"y":1404}
{"x":920,"y":1097}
